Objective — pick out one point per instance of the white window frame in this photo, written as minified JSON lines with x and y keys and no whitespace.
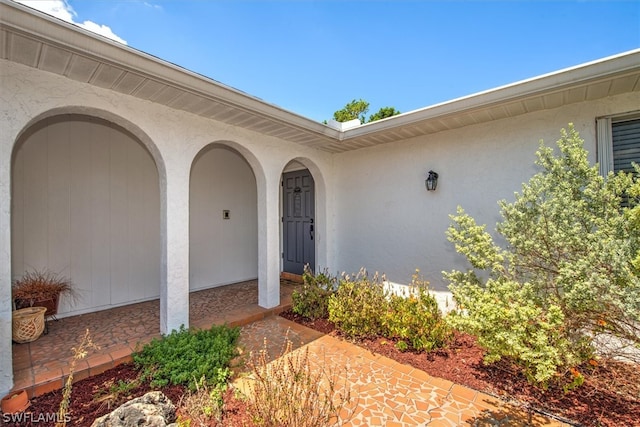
{"x":604,"y":138}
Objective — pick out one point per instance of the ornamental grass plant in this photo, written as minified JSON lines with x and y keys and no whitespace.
{"x":42,"y":285}
{"x":293,"y":391}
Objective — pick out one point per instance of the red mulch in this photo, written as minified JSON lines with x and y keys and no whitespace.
{"x":90,"y":400}
{"x":609,"y":397}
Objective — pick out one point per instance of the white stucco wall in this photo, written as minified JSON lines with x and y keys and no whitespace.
{"x":386,"y":220}
{"x":222,"y":251}
{"x":372,"y":208}
{"x":173,"y":138}
{"x":86,"y":205}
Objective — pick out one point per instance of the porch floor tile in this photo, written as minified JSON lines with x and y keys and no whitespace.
{"x":42,"y":365}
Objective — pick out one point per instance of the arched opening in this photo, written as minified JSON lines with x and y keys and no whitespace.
{"x":303,"y":207}
{"x":223,"y":219}
{"x":86,"y":204}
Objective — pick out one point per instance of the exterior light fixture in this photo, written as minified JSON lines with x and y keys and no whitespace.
{"x":432,"y":181}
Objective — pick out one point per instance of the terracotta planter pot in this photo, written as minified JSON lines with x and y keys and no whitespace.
{"x":15,"y":402}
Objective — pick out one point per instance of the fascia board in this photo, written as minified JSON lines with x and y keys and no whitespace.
{"x":55,"y":31}
{"x":48,"y":29}
{"x":580,"y":75}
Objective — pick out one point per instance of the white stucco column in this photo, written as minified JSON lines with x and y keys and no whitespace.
{"x":174,"y":292}
{"x":6,"y":358}
{"x":269,"y":240}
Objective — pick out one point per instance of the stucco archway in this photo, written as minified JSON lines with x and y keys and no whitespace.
{"x":116,"y":119}
{"x":223,"y":218}
{"x":86,"y":203}
{"x":267,"y":223}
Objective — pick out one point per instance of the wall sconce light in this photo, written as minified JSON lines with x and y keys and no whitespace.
{"x":432,"y":181}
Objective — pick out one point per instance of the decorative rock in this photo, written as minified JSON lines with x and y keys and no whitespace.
{"x":154,"y":409}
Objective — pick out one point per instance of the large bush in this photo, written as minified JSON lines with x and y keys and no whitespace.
{"x":569,"y":270}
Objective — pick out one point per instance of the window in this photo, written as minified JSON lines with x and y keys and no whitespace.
{"x":618,"y":143}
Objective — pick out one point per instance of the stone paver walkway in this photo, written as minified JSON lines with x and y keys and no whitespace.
{"x":385,"y":392}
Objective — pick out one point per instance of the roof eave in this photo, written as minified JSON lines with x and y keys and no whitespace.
{"x":235,"y":107}
{"x":569,"y":78}
{"x":50,"y":29}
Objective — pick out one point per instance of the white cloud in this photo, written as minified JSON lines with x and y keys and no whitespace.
{"x":63,"y":10}
{"x":153,"y":6}
{"x":101,"y":29}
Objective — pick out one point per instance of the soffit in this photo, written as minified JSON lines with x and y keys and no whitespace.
{"x":600,"y":79}
{"x":39,"y":41}
{"x":36,"y":40}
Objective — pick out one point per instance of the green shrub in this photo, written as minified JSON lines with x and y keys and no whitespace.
{"x":188,"y":356}
{"x":312,"y":300}
{"x":567,"y":272}
{"x":509,"y":322}
{"x":416,"y":318}
{"x":363,"y":308}
{"x":357,"y":307}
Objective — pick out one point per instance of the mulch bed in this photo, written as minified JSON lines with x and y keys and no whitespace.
{"x":609,"y":397}
{"x":90,"y":399}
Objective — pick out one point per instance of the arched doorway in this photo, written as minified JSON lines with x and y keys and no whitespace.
{"x":223,"y":224}
{"x":86,"y":204}
{"x":298,"y":219}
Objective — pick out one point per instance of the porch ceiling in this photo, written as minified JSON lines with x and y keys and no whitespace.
{"x":37,"y":40}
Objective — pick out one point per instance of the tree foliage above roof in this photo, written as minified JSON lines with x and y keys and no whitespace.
{"x":353,"y":110}
{"x":383,"y":113}
{"x":357,"y":109}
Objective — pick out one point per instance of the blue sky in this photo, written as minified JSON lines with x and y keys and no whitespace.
{"x":312,"y":57}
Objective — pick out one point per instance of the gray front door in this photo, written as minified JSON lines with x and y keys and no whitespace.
{"x":298,"y":227}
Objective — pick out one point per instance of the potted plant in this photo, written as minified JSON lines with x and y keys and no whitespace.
{"x":42,"y":288}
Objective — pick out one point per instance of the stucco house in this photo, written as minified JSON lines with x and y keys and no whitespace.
{"x":142,"y":180}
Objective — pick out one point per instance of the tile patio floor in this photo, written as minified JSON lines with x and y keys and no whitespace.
{"x":386,"y":392}
{"x":42,"y":365}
